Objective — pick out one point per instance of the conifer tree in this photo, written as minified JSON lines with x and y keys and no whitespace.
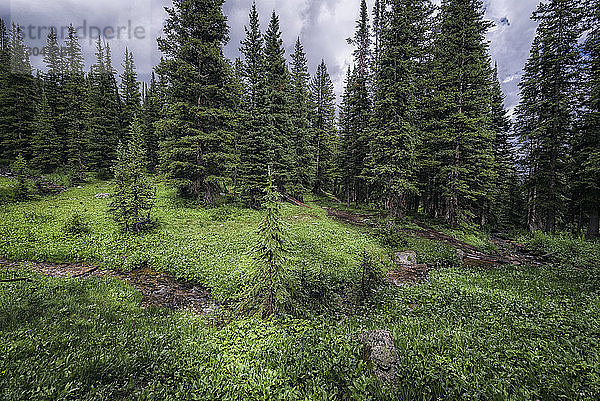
{"x":545,"y":115}
{"x":392,"y":164}
{"x":197,"y":149}
{"x":459,"y":135}
{"x":589,"y":143}
{"x":359,"y":105}
{"x":268,"y":294}
{"x":103,"y":114}
{"x":130,"y":92}
{"x":75,"y":96}
{"x":279,"y":143}
{"x":4,"y":84}
{"x":45,"y":143}
{"x":256,"y":130}
{"x":134,"y":195}
{"x":151,"y":109}
{"x":322,"y":100}
{"x":505,"y":203}
{"x":17,"y":100}
{"x":299,"y":108}
{"x":53,"y":86}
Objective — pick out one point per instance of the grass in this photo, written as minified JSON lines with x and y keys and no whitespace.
{"x":209,"y":246}
{"x":511,"y":333}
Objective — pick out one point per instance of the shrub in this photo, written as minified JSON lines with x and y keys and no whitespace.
{"x":76,"y":225}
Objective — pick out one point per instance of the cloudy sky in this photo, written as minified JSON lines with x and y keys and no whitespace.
{"x":322,"y":25}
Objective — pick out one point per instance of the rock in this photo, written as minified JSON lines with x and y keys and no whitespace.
{"x":406,"y":258}
{"x":381,"y":354}
{"x":102,"y":196}
{"x":460,"y":254}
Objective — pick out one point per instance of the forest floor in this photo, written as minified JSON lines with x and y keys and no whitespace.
{"x":105,"y":315}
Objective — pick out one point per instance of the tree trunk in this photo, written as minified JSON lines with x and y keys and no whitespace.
{"x":593,"y":226}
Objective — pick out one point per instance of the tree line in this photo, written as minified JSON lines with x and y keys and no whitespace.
{"x":421,"y":128}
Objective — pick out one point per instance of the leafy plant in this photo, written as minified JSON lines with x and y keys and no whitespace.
{"x":76,"y":225}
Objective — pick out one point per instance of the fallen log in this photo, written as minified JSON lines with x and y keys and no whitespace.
{"x":296,"y":201}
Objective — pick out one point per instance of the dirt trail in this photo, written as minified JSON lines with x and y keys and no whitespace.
{"x":158,"y":289}
{"x":509,"y":252}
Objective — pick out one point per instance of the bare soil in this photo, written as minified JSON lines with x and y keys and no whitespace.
{"x":158,"y":289}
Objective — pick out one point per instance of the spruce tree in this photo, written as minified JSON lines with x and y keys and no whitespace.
{"x":505,"y":208}
{"x":53,"y":86}
{"x":392,"y":158}
{"x":279,"y":143}
{"x":322,"y":99}
{"x":75,"y":96}
{"x":134,"y":196}
{"x":589,"y":143}
{"x":130,"y":92}
{"x":103,"y":114}
{"x":17,"y":100}
{"x":4,"y":92}
{"x":459,"y":134}
{"x":256,"y":130}
{"x":359,"y":106}
{"x":197,"y":149}
{"x":45,"y":142}
{"x":150,"y":114}
{"x":299,"y":108}
{"x":545,"y":116}
{"x":268,"y":294}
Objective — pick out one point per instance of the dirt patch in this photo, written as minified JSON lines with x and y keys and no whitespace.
{"x":353,"y":218}
{"x":157,"y":288}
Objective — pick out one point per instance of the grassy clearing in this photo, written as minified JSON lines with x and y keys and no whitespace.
{"x":511,"y":333}
{"x":567,"y":249}
{"x":209,"y":246}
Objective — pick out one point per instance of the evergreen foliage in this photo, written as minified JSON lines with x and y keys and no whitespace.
{"x":268,"y":295}
{"x":322,"y":101}
{"x":301,"y":177}
{"x":130,"y":93}
{"x":545,"y":115}
{"x":197,"y":148}
{"x":134,"y":196}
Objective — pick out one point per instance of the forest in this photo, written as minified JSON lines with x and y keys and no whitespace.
{"x":232,"y":230}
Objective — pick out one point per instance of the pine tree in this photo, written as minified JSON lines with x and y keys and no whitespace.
{"x":197,"y":150}
{"x":268,"y":294}
{"x":256,"y":130}
{"x":130,"y":92}
{"x":346,"y":155}
{"x":392,"y":158}
{"x":359,"y":106}
{"x":151,"y":112}
{"x":134,"y":196}
{"x":299,"y":107}
{"x":103,"y":114}
{"x":458,"y":135}
{"x":505,"y":208}
{"x":322,"y":99}
{"x":545,"y":115}
{"x":45,"y":143}
{"x":75,"y":96}
{"x":53,"y":86}
{"x":17,"y":100}
{"x":590,"y":142}
{"x":279,"y":144}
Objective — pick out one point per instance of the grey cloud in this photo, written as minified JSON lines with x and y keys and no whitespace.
{"x":323,"y":27}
